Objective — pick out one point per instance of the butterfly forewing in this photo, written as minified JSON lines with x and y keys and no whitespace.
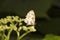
{"x":30,"y":18}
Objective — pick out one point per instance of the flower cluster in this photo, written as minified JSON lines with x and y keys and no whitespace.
{"x":10,"y":23}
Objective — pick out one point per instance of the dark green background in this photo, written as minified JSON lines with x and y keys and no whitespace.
{"x":21,"y":7}
{"x":44,"y":26}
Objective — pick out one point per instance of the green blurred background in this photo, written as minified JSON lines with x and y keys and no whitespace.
{"x":21,"y":7}
{"x":46,"y":11}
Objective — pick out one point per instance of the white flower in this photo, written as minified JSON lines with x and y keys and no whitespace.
{"x":19,"y":28}
{"x":9,"y":17}
{"x":12,"y":26}
{"x":32,"y":29}
{"x":15,"y":18}
{"x":25,"y":28}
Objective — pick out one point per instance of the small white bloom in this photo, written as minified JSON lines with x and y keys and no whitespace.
{"x":15,"y":18}
{"x":19,"y":28}
{"x":12,"y":26}
{"x":25,"y":28}
{"x":32,"y":29}
{"x":9,"y":17}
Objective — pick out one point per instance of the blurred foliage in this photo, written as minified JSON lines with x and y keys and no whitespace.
{"x":23,"y":6}
{"x":51,"y":37}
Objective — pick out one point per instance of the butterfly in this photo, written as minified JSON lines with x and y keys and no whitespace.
{"x":30,"y":18}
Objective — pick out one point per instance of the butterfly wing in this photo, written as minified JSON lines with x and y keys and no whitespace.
{"x":30,"y":18}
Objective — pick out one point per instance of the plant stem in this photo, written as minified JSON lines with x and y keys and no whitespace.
{"x":8,"y":36}
{"x":18,"y":34}
{"x":20,"y":37}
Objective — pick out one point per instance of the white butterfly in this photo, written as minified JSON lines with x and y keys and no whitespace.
{"x":30,"y":18}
